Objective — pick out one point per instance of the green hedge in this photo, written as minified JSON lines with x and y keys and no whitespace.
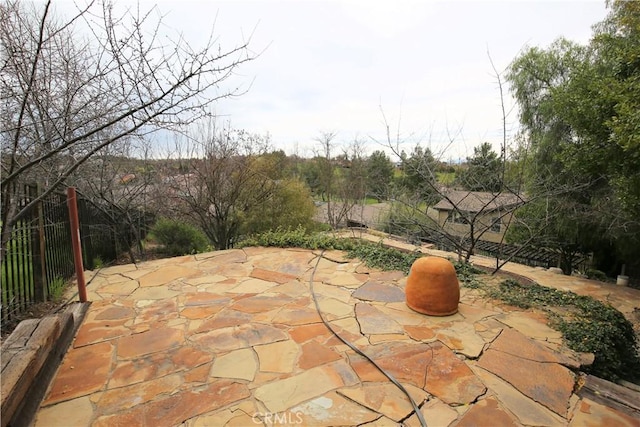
{"x":179,"y":238}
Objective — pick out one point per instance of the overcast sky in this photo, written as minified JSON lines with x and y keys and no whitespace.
{"x":331,"y":66}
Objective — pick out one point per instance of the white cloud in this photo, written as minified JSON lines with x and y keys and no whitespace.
{"x":329,"y":65}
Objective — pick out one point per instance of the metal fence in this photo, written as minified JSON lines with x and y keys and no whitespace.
{"x":39,"y":255}
{"x":532,"y":256}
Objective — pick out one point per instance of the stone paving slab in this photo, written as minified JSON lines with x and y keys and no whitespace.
{"x":625,"y":299}
{"x":233,"y":338}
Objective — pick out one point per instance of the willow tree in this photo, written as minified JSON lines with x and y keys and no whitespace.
{"x":579,"y":109}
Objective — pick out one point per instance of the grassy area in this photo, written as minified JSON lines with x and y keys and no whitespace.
{"x":446,"y":178}
{"x":367,"y":200}
{"x":370,"y":201}
{"x":57,"y":288}
{"x":588,"y":325}
{"x":17,"y":281}
{"x":16,"y":271}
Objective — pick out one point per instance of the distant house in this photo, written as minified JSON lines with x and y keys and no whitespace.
{"x":126,"y":178}
{"x":487,"y":211}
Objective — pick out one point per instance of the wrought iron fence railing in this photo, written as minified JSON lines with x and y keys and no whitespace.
{"x":39,"y":254}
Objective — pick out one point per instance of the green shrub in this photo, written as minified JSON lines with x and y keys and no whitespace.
{"x":56,"y":289}
{"x":299,"y":237}
{"x":379,"y":256}
{"x":596,"y":275}
{"x":179,"y":238}
{"x":97,"y":262}
{"x":372,"y":254}
{"x":467,"y":273}
{"x":290,"y":205}
{"x":587,"y":325}
{"x":318,"y":227}
{"x":403,"y":220}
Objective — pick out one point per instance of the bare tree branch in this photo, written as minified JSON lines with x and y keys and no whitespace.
{"x":68,"y":95}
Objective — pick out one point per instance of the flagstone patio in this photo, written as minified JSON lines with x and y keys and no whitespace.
{"x":233,"y":338}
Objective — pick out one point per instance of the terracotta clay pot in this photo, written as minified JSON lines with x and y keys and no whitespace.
{"x":432,"y":287}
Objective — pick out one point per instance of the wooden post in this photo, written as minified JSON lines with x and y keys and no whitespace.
{"x":72,"y":204}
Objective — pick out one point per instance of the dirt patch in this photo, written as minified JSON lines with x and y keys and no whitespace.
{"x":34,"y":311}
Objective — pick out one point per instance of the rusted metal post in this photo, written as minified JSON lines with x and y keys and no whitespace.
{"x":72,"y":204}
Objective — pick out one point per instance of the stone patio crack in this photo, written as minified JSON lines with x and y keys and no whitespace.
{"x":372,"y":421}
{"x":359,"y":403}
{"x":360,"y":325}
{"x":139,"y":383}
{"x":413,"y":411}
{"x":484,"y":347}
{"x":480,"y":396}
{"x":551,"y":362}
{"x":497,"y":335}
{"x":426,"y":370}
{"x":128,"y":277}
{"x":529,"y":395}
{"x":409,"y":415}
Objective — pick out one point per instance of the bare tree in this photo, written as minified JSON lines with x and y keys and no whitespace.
{"x":71,"y":87}
{"x":474,"y":217}
{"x":327,"y":178}
{"x":121,"y":181}
{"x":470,"y":216}
{"x":224,"y":180}
{"x":342,"y":178}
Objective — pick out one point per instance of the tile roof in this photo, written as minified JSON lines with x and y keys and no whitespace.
{"x":476,"y":201}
